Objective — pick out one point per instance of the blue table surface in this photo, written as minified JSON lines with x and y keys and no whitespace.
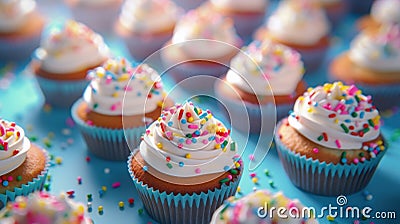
{"x":21,"y":101}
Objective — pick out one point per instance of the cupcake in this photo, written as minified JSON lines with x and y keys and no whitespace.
{"x":62,"y":61}
{"x":331,"y":144}
{"x":44,"y":208}
{"x":247,"y":16}
{"x":120,"y":99}
{"x":266,"y":74}
{"x":20,"y":29}
{"x":186,"y":166}
{"x":189,"y":4}
{"x":382,"y":12}
{"x":255,"y":208}
{"x":23,"y":166}
{"x":301,"y":25}
{"x":99,"y":15}
{"x":336,"y":10}
{"x":373,"y":64}
{"x":203,"y":44}
{"x":145,"y":25}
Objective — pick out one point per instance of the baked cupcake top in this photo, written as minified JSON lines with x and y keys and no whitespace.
{"x":336,"y":116}
{"x":377,"y":51}
{"x":298,"y":21}
{"x":117,"y":88}
{"x":264,"y":63}
{"x":245,"y":210}
{"x":71,"y":48}
{"x":149,"y":16}
{"x":241,"y":6}
{"x":203,"y":24}
{"x":14,"y":14}
{"x":13,"y":146}
{"x":187,"y":141}
{"x":386,"y":11}
{"x":41,"y":207}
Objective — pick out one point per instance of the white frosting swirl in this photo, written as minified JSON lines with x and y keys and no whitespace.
{"x":244,"y":210}
{"x":73,"y":48}
{"x":380,"y":52}
{"x":149,"y":16}
{"x":281,"y":66}
{"x":241,"y":6}
{"x":386,"y":11}
{"x":299,"y":22}
{"x":14,"y":14}
{"x":336,"y":116}
{"x":204,"y":24}
{"x":41,"y":207}
{"x":192,"y":141}
{"x":13,"y":146}
{"x":117,"y":88}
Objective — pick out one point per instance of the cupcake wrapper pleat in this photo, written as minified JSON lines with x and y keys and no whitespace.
{"x":326,"y":179}
{"x":106,"y":143}
{"x":25,"y":189}
{"x":61,"y":93}
{"x":178,"y":208}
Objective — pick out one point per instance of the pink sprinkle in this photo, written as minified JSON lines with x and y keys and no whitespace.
{"x":356,"y":161}
{"x":204,"y":133}
{"x":188,"y":141}
{"x":327,"y":106}
{"x":291,"y":204}
{"x":10,"y":178}
{"x":352,"y":90}
{"x":338,"y":106}
{"x":344,"y":112}
{"x":113,"y":107}
{"x":315,"y":150}
{"x":180,"y":145}
{"x":217,"y":140}
{"x":193,"y":126}
{"x":253,"y":175}
{"x":362,"y":159}
{"x":230,"y":177}
{"x":338,"y":143}
{"x":376,"y":127}
{"x":79,"y":180}
{"x":128,"y":88}
{"x":251,"y":157}
{"x":108,"y":80}
{"x":147,"y":132}
{"x":89,"y":122}
{"x":197,"y":170}
{"x":168,"y":134}
{"x":205,"y":141}
{"x":116,"y":185}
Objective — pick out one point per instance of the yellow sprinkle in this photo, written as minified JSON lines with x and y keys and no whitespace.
{"x":80,"y":209}
{"x":121,"y":204}
{"x":254,"y":180}
{"x":42,"y":204}
{"x":336,"y":121}
{"x":301,"y":98}
{"x":217,"y":146}
{"x":310,"y":110}
{"x":115,"y":95}
{"x":190,"y":119}
{"x":100,"y":208}
{"x":380,"y":142}
{"x":104,"y":188}
{"x":58,"y":160}
{"x":159,"y":145}
{"x":382,"y":147}
{"x":188,"y":156}
{"x":330,"y":218}
{"x":159,"y":119}
{"x":309,"y":89}
{"x":203,"y":121}
{"x":160,"y":104}
{"x":22,"y":204}
{"x":237,"y":165}
{"x":238,"y":189}
{"x":9,"y":134}
{"x":123,"y":77}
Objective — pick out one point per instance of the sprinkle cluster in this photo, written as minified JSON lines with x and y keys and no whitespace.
{"x":7,"y":131}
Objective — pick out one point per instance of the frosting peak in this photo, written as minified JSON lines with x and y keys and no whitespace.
{"x":281,"y":68}
{"x":298,"y":21}
{"x":15,"y":13}
{"x":117,"y":88}
{"x":72,"y":48}
{"x":386,"y":11}
{"x":380,"y":51}
{"x":13,"y":146}
{"x":149,"y":16}
{"x":336,"y":116}
{"x":190,"y":142}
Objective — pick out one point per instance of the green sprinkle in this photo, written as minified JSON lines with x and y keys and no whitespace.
{"x":33,"y":139}
{"x":365,"y":130}
{"x":140,"y":211}
{"x":195,"y":110}
{"x":233,"y":146}
{"x":344,"y":128}
{"x":320,"y":138}
{"x":343,"y":155}
{"x":354,"y":114}
{"x":234,"y":171}
{"x":95,"y":105}
{"x":357,"y":98}
{"x":224,"y":180}
{"x":271,"y":183}
{"x":169,"y":165}
{"x":188,"y":135}
{"x":266,"y":172}
{"x":46,"y":186}
{"x":371,"y":123}
{"x":361,"y":154}
{"x":1,"y":147}
{"x":19,"y":178}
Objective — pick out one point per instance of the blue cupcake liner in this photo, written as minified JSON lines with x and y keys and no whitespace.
{"x":61,"y":93}
{"x":313,"y":58}
{"x":177,"y":208}
{"x":323,"y":178}
{"x":25,"y":189}
{"x":107,"y":143}
{"x":18,"y":49}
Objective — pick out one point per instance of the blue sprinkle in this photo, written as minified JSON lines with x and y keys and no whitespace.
{"x":349,"y":101}
{"x":139,"y":94}
{"x":181,"y":140}
{"x":181,"y":164}
{"x":290,"y":112}
{"x":315,"y":104}
{"x":344,"y":160}
{"x":226,"y":168}
{"x":347,"y":120}
{"x":116,"y":88}
{"x":211,"y":138}
{"x":183,"y":121}
{"x":362,"y":114}
{"x":170,"y":123}
{"x":5,"y":183}
{"x":194,"y":140}
{"x":145,"y":168}
{"x":197,"y":132}
{"x":203,"y":115}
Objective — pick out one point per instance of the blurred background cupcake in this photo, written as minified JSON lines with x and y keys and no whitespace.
{"x":119,"y":101}
{"x":331,"y":144}
{"x":265,"y":75}
{"x":382,"y":12}
{"x":186,"y":165}
{"x":20,"y":29}
{"x":44,"y":208}
{"x":246,"y":15}
{"x":99,"y":15}
{"x":373,"y":63}
{"x":336,"y":10}
{"x":145,"y":25}
{"x":63,"y":59}
{"x":188,"y":5}
{"x":301,"y":25}
{"x":203,"y":43}
{"x":246,"y":210}
{"x":23,"y":166}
